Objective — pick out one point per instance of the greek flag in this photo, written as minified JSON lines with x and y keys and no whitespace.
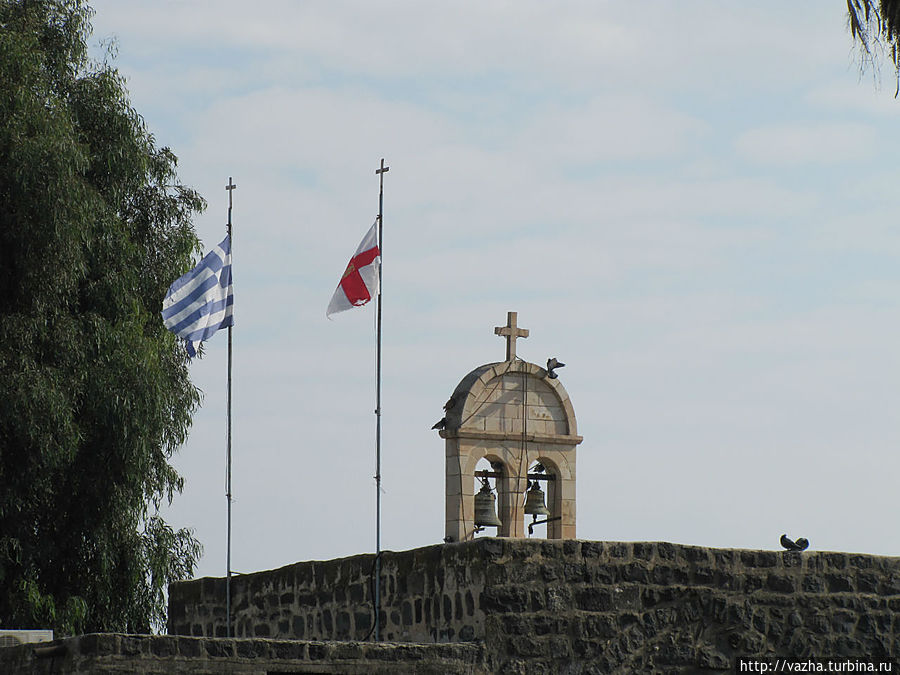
{"x":201,"y":302}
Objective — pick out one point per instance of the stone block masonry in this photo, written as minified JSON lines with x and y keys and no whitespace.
{"x":541,"y":606}
{"x":112,"y":653}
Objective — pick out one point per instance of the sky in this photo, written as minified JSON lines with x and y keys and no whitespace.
{"x":693,"y":205}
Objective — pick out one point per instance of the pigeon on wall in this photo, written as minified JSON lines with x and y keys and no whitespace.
{"x":800,"y":545}
{"x":553,"y":364}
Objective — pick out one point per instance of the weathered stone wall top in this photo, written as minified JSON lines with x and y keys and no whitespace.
{"x":554,"y":606}
{"x":96,"y":654}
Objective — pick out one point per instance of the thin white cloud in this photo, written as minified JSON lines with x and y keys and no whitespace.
{"x":800,"y":144}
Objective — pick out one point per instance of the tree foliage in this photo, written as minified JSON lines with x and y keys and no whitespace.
{"x":94,"y":392}
{"x":875,"y":26}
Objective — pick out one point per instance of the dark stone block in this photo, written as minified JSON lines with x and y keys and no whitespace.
{"x":759,"y":558}
{"x":289,"y":651}
{"x":99,"y":644}
{"x":838,"y":583}
{"x":190,"y":648}
{"x":835,"y":561}
{"x":250,"y":649}
{"x":792,"y":559}
{"x":644,"y":550}
{"x":342,"y":625}
{"x":724,"y":559}
{"x":593,"y":599}
{"x":262,"y":630}
{"x":598,"y":626}
{"x":418,"y":607}
{"x":588,"y":649}
{"x":448,"y":608}
{"x":286,"y":598}
{"x":458,"y":606}
{"x":504,"y":600}
{"x":470,"y":604}
{"x":527,"y":647}
{"x":559,"y":598}
{"x":574,"y":573}
{"x":317,"y":651}
{"x":357,"y":593}
{"x":467,"y":633}
{"x":327,"y":623}
{"x":780,"y":584}
{"x":298,"y":626}
{"x":813,"y":584}
{"x":163,"y":646}
{"x":406,"y":613}
{"x":516,"y":624}
{"x":695,"y":554}
{"x":667,"y":576}
{"x":362,"y":621}
{"x":752,"y":583}
{"x":491,"y":547}
{"x":619,"y":549}
{"x":843,"y":622}
{"x":591,"y":549}
{"x":544,"y":625}
{"x":635,"y":571}
{"x":626,"y":597}
{"x":551,"y":550}
{"x":219,"y":648}
{"x":666,"y":551}
{"x":867,"y":582}
{"x":347,"y":651}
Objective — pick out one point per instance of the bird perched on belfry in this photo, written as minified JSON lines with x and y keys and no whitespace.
{"x":553,"y":364}
{"x":800,"y":545}
{"x":440,"y":424}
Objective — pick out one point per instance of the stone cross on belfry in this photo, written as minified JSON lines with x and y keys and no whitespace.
{"x":511,"y":332}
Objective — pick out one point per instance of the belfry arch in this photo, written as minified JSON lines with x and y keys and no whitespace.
{"x":514,"y":413}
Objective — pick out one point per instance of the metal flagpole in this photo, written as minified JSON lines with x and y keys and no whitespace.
{"x":380,"y":172}
{"x":230,"y":187}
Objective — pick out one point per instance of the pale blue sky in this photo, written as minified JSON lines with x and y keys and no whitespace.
{"x":692,"y":204}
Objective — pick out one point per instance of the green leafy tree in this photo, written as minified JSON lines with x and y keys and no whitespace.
{"x":875,"y":26}
{"x":94,"y":392}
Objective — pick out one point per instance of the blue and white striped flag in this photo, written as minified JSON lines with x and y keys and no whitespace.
{"x":201,"y":302}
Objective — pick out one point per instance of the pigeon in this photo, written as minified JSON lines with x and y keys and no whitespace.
{"x":538,"y":468}
{"x":449,"y":404}
{"x":800,"y":545}
{"x":440,"y":424}
{"x":553,"y":364}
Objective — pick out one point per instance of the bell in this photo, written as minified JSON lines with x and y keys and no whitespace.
{"x":534,"y":501}
{"x":485,"y":514}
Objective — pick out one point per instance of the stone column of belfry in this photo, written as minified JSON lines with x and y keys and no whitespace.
{"x":513,"y":414}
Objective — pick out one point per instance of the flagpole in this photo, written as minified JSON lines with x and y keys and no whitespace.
{"x":380,"y":172}
{"x":230,"y":187}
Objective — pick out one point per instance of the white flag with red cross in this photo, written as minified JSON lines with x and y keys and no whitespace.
{"x":360,"y":281}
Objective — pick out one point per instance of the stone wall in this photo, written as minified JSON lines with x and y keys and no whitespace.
{"x":109,"y":653}
{"x":428,"y":595}
{"x":576,"y":606}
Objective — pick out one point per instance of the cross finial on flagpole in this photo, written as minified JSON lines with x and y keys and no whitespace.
{"x":511,"y":332}
{"x":380,"y":173}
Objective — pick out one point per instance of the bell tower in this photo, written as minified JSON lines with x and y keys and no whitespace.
{"x":518,"y":417}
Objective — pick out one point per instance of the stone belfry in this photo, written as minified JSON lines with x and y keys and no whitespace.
{"x":514,"y":414}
